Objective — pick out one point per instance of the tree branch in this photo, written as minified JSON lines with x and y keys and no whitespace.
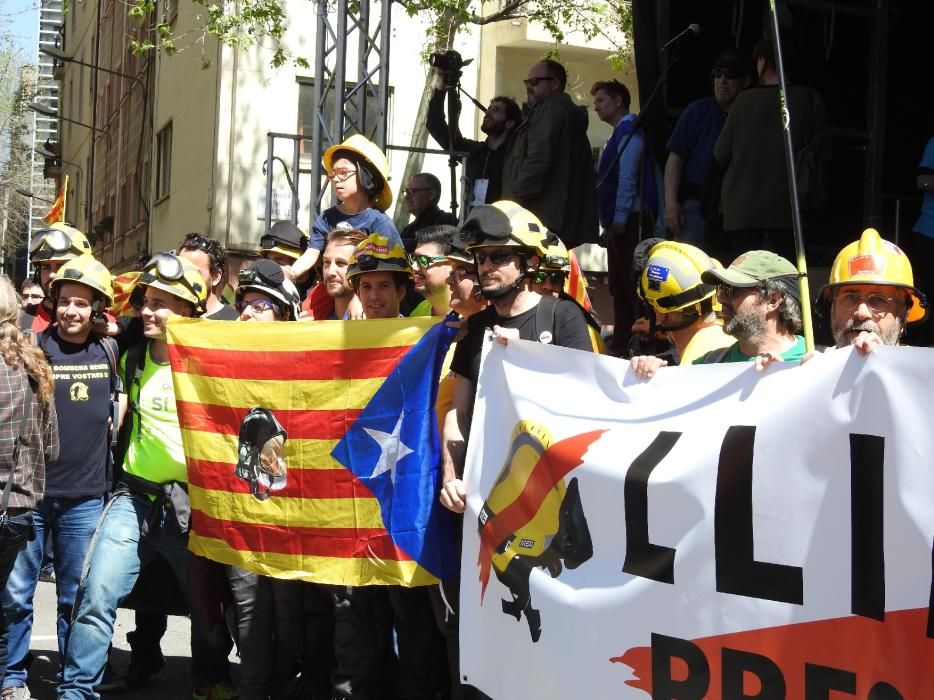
{"x":507,"y":12}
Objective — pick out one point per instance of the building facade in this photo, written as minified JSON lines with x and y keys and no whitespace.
{"x":179,"y":143}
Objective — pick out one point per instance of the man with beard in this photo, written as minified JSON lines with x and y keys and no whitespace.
{"x":483,"y":168}
{"x":871,"y":294}
{"x":761,"y":308}
{"x":507,"y":242}
{"x":548,"y":168}
{"x":335,"y":261}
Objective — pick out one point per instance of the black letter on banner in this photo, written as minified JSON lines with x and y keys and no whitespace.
{"x":867,"y":454}
{"x":664,"y":687}
{"x":737,"y":571}
{"x":642,"y":557}
{"x":820,"y":680}
{"x":736,"y":663}
{"x":883,"y":691}
{"x":931,"y":600}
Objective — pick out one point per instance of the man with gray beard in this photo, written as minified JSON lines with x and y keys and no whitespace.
{"x":871,"y":294}
{"x":761,"y":304}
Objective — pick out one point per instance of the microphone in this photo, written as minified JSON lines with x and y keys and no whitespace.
{"x":692,"y":30}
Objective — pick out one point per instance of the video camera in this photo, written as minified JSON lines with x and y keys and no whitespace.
{"x":450,"y":64}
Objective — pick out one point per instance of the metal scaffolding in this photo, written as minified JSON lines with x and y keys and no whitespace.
{"x":348,"y":45}
{"x":342,"y":109}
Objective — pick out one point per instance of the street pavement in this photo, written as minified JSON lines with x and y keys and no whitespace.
{"x":171,"y":683}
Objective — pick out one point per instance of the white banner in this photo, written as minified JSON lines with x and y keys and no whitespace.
{"x":710,"y":533}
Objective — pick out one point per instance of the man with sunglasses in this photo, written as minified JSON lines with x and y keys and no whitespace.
{"x":149,"y":513}
{"x":432,"y":270}
{"x":548,"y":167}
{"x":421,"y":197}
{"x":690,"y":147}
{"x":871,"y":294}
{"x":49,"y":249}
{"x":507,"y":242}
{"x":761,"y":307}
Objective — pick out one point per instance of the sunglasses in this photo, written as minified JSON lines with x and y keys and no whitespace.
{"x":426,"y":261}
{"x":556,"y":278}
{"x":257,"y":306}
{"x":498,"y":258}
{"x":533,"y":82}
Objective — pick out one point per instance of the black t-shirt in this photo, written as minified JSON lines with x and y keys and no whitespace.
{"x":225,"y":313}
{"x":569,"y":330}
{"x":82,"y":399}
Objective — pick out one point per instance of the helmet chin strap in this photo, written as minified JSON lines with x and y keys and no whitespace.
{"x":494,"y":294}
{"x":686,"y":321}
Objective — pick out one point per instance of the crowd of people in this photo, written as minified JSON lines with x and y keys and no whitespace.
{"x":91,"y":454}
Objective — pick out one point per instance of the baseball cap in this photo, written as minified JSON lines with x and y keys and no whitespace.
{"x":754,"y":267}
{"x":734,"y":63}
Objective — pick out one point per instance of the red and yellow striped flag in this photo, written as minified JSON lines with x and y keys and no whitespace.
{"x":57,"y":212}
{"x":123,"y":287}
{"x":356,"y":502}
{"x":576,"y":284}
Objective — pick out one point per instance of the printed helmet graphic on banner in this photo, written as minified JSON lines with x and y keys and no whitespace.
{"x":260,"y":462}
{"x":532,"y":518}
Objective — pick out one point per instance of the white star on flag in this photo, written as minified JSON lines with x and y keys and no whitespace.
{"x":392,"y":449}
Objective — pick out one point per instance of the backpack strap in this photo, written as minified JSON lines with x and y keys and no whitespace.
{"x":135,"y":362}
{"x":545,"y":319}
{"x":112,"y":351}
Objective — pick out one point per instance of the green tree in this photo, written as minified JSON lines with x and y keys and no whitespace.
{"x":17,"y":87}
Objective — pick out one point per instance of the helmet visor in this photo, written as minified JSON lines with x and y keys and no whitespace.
{"x":53,"y":239}
{"x":167,"y":268}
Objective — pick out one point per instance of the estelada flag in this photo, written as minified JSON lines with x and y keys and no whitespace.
{"x":123,"y":287}
{"x":354,"y":401}
{"x":57,"y":212}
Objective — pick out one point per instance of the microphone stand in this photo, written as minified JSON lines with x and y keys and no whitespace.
{"x":452,"y":89}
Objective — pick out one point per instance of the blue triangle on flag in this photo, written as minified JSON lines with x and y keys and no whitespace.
{"x":394,"y":448}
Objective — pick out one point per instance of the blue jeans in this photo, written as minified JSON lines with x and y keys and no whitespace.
{"x":117,"y":553}
{"x":17,"y":530}
{"x":71,"y":523}
{"x":693,"y":230}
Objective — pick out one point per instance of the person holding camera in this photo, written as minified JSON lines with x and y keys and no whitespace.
{"x":483,"y":166}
